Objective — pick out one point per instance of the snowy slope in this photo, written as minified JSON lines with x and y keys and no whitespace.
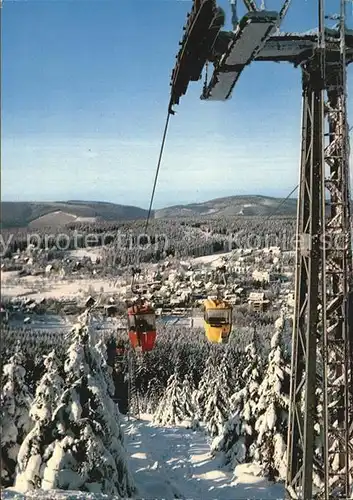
{"x":175,"y":462}
{"x":10,"y":494}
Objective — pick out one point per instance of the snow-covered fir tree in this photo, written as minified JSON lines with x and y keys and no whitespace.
{"x":48,"y":393}
{"x":187,"y":399}
{"x":153,"y":395}
{"x":170,"y":410}
{"x":236,"y":441}
{"x":234,"y":360}
{"x":15,"y":419}
{"x":34,"y":367}
{"x":82,"y":446}
{"x":97,"y":342}
{"x":205,"y":389}
{"x":48,"y":390}
{"x":216,"y":410}
{"x":272,"y":411}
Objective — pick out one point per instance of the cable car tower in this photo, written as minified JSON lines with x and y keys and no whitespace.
{"x":322,"y":344}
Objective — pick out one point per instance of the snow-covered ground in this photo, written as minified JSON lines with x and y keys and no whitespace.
{"x":47,"y":322}
{"x":186,"y":321}
{"x":55,"y":287}
{"x":10,"y":493}
{"x":80,"y":253}
{"x":214,"y":260}
{"x":59,"y":324}
{"x":175,"y":462}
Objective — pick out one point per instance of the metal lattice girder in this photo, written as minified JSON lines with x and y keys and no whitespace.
{"x":337,"y":277}
{"x":322,"y":334}
{"x":305,"y":331}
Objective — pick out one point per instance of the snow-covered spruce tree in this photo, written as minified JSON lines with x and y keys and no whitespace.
{"x":186,"y":374}
{"x":34,"y":366}
{"x":84,"y":442}
{"x":154,"y":393}
{"x":98,"y":343}
{"x":234,"y":360}
{"x":47,"y":395}
{"x":187,"y":399}
{"x":272,"y":411}
{"x":170,"y":410}
{"x":205,"y":389}
{"x":216,"y":411}
{"x":15,"y":420}
{"x":238,"y":435}
{"x":48,"y":390}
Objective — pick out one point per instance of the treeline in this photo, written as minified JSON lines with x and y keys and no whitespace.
{"x":126,"y":241}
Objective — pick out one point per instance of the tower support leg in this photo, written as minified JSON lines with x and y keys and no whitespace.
{"x":322,"y":332}
{"x":305,"y":330}
{"x":337,"y":288}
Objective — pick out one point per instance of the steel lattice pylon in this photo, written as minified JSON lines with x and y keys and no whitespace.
{"x":322,"y":334}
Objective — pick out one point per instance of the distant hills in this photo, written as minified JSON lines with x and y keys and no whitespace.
{"x":232,"y":205}
{"x":41,"y":214}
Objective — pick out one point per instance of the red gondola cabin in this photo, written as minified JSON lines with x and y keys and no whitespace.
{"x":142,"y":327}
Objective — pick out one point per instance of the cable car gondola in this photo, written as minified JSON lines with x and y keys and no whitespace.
{"x":217,"y":320}
{"x":141,"y":319}
{"x":142,"y":326}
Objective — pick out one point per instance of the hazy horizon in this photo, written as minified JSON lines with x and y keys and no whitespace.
{"x":155,"y":206}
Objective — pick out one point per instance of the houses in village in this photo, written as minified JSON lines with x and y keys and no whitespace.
{"x":254,"y":278}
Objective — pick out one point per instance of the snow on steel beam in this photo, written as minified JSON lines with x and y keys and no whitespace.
{"x":204,"y":23}
{"x":251,"y":35}
{"x":250,"y":5}
{"x":286,"y":48}
{"x":296,"y":47}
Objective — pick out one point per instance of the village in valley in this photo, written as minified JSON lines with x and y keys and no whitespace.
{"x":253,"y":279}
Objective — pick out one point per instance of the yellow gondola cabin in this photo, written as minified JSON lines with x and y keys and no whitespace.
{"x":217,"y":320}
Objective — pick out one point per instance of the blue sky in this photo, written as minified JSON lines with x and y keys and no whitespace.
{"x":85,"y":89}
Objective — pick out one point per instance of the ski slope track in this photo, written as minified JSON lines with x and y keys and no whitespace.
{"x":175,"y":463}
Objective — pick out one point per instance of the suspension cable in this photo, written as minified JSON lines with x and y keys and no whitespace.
{"x":158,"y":167}
{"x":284,"y":10}
{"x":281,"y":203}
{"x":170,"y":112}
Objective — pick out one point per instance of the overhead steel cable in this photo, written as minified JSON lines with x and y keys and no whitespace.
{"x":281,"y":203}
{"x":170,"y":112}
{"x":158,"y":166}
{"x":284,"y":10}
